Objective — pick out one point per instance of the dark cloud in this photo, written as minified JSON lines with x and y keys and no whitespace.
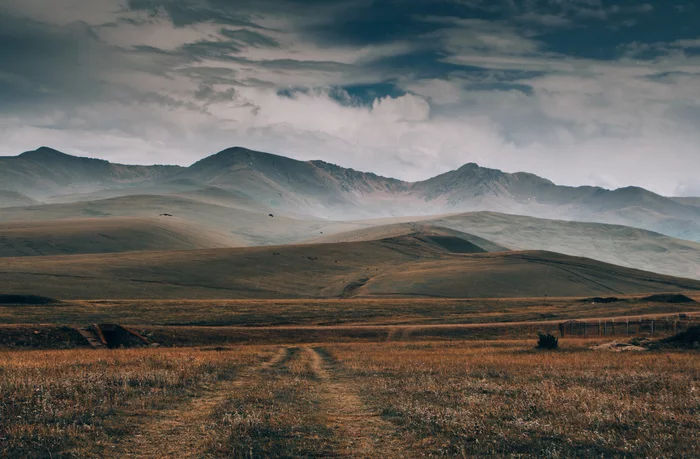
{"x":435,"y":83}
{"x":249,"y":38}
{"x":41,"y":63}
{"x":184,"y":13}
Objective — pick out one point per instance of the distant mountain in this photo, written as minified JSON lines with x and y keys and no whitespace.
{"x":688,"y":201}
{"x":323,"y":190}
{"x":45,"y":172}
{"x":315,"y":187}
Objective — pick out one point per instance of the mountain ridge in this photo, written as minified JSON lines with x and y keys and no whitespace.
{"x":328,"y":191}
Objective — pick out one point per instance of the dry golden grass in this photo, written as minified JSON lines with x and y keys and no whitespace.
{"x":275,"y":414}
{"x":505,"y":398}
{"x":70,"y":403}
{"x":390,"y":400}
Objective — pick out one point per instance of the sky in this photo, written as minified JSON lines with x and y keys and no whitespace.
{"x":578,"y":91}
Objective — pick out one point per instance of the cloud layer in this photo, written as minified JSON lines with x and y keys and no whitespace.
{"x":578,"y":91}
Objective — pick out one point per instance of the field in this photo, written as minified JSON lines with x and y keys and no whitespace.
{"x":428,"y":399}
{"x":389,"y":311}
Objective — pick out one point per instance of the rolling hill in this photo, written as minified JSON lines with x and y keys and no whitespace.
{"x":235,"y":222}
{"x":247,"y":227}
{"x":419,"y":230}
{"x":619,"y":245}
{"x":106,"y":235}
{"x":403,"y":266}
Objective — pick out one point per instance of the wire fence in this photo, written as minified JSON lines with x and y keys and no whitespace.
{"x":664,"y":325}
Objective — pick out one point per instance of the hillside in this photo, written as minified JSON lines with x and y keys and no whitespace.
{"x":249,"y":227}
{"x":399,"y":266}
{"x":106,"y":235}
{"x":619,"y":245}
{"x":235,"y":219}
{"x":421,"y":230}
{"x":15,"y":199}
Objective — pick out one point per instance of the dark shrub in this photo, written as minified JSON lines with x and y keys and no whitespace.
{"x":547,"y":341}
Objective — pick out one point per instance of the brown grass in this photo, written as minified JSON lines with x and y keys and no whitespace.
{"x":505,"y":398}
{"x":69,"y":403}
{"x":404,"y":311}
{"x":276,"y":414}
{"x":421,"y":399}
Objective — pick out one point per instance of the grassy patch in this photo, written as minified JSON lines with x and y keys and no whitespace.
{"x":69,"y":403}
{"x":507,"y":399}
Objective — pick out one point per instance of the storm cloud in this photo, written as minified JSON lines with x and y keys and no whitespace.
{"x":578,"y":91}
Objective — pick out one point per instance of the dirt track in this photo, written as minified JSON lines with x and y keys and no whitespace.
{"x":356,"y":430}
{"x":359,"y":431}
{"x":179,"y":432}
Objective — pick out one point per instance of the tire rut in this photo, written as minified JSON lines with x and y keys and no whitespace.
{"x":359,"y":430}
{"x":179,"y":432}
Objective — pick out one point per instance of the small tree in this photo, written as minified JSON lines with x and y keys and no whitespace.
{"x":547,"y":341}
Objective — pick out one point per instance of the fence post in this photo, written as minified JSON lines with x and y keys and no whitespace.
{"x":628,"y":327}
{"x":652,"y":327}
{"x":613,"y":327}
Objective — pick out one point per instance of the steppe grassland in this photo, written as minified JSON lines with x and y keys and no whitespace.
{"x":69,"y":403}
{"x":423,"y":399}
{"x":505,"y":398}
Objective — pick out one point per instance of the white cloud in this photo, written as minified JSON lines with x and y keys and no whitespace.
{"x":404,"y":108}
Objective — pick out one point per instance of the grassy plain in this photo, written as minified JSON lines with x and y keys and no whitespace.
{"x":389,"y":311}
{"x":427,"y":399}
{"x":76,"y":403}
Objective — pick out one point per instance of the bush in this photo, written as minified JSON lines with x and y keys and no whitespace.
{"x":547,"y":341}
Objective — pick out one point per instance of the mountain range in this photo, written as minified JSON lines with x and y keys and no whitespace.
{"x":322,"y":190}
{"x":62,"y":217}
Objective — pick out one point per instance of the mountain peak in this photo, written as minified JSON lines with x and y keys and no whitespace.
{"x":233,"y":150}
{"x":470,"y":166}
{"x":44,"y":152}
{"x":237,"y":153}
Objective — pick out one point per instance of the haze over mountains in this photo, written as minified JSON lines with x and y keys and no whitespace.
{"x":82,"y":210}
{"x":323,"y":190}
